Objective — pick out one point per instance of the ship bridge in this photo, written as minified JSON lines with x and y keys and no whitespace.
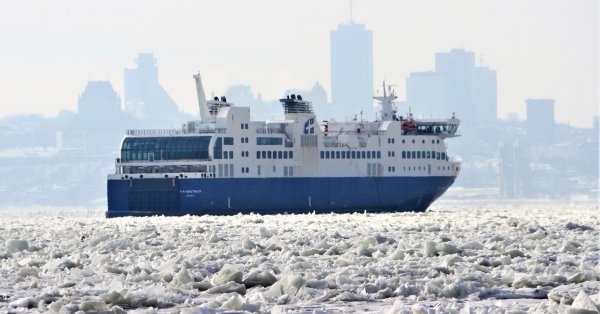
{"x":439,"y":127}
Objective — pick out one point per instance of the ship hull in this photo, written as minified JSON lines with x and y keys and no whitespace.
{"x":229,"y":196}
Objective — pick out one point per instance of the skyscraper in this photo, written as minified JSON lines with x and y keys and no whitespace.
{"x":484,"y":95}
{"x":145,"y":97}
{"x":352,"y":68}
{"x":457,"y":86}
{"x":540,"y":121}
{"x":426,"y":94}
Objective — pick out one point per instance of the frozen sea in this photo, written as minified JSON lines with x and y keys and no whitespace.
{"x":455,"y":258}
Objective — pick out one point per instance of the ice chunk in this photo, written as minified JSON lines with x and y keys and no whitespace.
{"x":570,"y":246}
{"x":27,"y":271}
{"x":55,"y":306}
{"x":248,"y":244}
{"x":289,"y":285}
{"x":446,"y":248}
{"x":472,"y":245}
{"x":311,"y":252}
{"x":256,"y":278}
{"x":397,"y":255}
{"x":228,"y":273}
{"x":227,"y":288}
{"x":234,"y":303}
{"x":323,"y":245}
{"x":118,"y":244}
{"x":514,"y":253}
{"x":183,"y":276}
{"x":27,"y":302}
{"x":114,"y":269}
{"x":214,"y":238}
{"x":583,"y":304}
{"x":115,"y":297}
{"x":420,"y":309}
{"x":92,"y":305}
{"x":96,"y":240}
{"x":575,"y":226}
{"x":430,"y":249}
{"x":15,"y":245}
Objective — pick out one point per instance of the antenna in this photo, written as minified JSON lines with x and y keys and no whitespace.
{"x":350,"y":5}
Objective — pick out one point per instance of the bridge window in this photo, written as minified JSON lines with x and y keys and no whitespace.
{"x":165,"y":148}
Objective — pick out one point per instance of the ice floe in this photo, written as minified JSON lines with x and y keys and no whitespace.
{"x":455,"y":258}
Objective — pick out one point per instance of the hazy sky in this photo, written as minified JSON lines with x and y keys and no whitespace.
{"x":50,"y":49}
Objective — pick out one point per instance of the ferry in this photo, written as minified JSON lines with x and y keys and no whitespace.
{"x":227,"y":164}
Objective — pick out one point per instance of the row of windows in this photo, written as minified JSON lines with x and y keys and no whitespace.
{"x":244,"y":140}
{"x":274,"y":154}
{"x":391,"y":169}
{"x":245,"y":170}
{"x":244,"y":126}
{"x":414,"y":168}
{"x":228,"y":141}
{"x":165,"y":148}
{"x":228,"y":155}
{"x":422,"y":141}
{"x":350,"y":154}
{"x":423,"y":155}
{"x":391,"y":140}
{"x":269,"y":141}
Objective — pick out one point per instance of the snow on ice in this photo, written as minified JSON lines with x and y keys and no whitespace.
{"x":452,"y":259}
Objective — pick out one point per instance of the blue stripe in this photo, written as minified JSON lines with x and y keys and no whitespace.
{"x":276,"y":195}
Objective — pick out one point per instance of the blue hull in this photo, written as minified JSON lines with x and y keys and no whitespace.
{"x":174,"y":196}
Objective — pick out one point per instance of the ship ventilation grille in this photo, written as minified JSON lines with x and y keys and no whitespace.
{"x":296,"y":105}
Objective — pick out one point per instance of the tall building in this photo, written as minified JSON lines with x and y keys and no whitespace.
{"x":540,"y":121}
{"x":352,"y":68}
{"x":458,"y":86}
{"x":145,"y":98}
{"x":514,"y":170}
{"x":99,"y":102}
{"x":456,"y":68}
{"x":484,"y":95}
{"x":426,"y":94}
{"x":99,"y":122}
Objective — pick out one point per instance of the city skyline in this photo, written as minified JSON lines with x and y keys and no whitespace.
{"x":55,"y":52}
